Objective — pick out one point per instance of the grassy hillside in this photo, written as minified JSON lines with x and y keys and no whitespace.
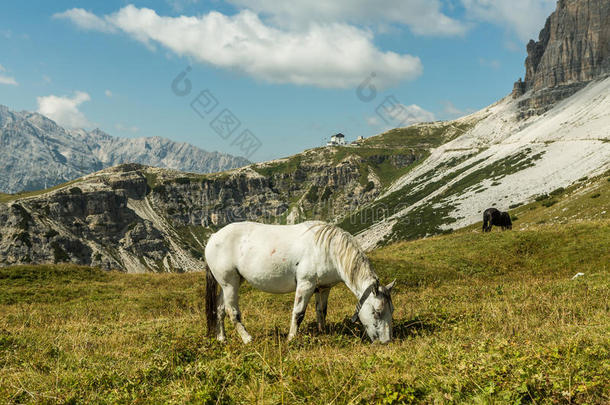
{"x":586,"y":200}
{"x":479,"y":319}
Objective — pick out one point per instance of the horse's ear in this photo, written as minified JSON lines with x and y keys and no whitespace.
{"x":391,"y":285}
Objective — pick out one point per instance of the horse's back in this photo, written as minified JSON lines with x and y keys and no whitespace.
{"x":267,"y":256}
{"x":490,"y":212}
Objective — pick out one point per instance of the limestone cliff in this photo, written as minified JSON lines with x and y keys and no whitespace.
{"x":572,"y":50}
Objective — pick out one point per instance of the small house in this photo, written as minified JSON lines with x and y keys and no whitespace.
{"x":336,"y":140}
{"x":358,"y":141}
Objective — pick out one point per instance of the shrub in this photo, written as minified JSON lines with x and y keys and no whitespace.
{"x":24,"y":238}
{"x":312,"y":194}
{"x":183,"y":180}
{"x":25,"y":217}
{"x":59,"y":254}
{"x":160,"y":189}
{"x":51,"y":233}
{"x":326,"y":194}
{"x":558,"y":191}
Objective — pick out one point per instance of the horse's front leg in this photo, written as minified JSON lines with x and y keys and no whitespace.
{"x":302,"y":295}
{"x":321,"y":305}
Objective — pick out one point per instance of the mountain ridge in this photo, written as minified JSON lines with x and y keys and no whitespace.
{"x":37,"y":153}
{"x":406,"y":183}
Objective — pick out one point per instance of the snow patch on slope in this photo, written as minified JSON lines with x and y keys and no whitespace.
{"x":573,"y":140}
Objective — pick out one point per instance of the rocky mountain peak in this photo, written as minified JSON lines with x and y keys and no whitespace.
{"x":37,"y":153}
{"x":572,"y":49}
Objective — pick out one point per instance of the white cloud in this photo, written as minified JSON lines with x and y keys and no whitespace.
{"x":108,"y":93}
{"x":524,"y":18}
{"x":373,"y":121}
{"x":86,"y":20}
{"x":8,"y":80}
{"x":450,"y":111}
{"x":414,"y":114}
{"x":399,"y":115}
{"x":423,"y":17}
{"x":64,"y":110}
{"x":126,"y":128}
{"x":333,"y":55}
{"x":490,"y":63}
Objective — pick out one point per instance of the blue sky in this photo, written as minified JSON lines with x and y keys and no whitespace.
{"x":288,"y":71}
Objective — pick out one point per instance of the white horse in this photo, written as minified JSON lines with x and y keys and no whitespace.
{"x":306,"y":258}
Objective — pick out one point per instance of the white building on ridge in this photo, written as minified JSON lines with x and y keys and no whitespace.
{"x":337,"y":140}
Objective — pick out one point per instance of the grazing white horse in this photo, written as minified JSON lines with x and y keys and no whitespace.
{"x":306,"y":258}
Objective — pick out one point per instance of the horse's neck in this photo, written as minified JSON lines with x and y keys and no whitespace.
{"x":360,"y":284}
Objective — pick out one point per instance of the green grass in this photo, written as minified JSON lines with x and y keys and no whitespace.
{"x":428,"y":135}
{"x":5,"y":198}
{"x":290,"y":165}
{"x":378,"y":159}
{"x":401,"y":199}
{"x":480,"y":318}
{"x":434,"y":213}
{"x":571,"y":204}
{"x":151,"y":179}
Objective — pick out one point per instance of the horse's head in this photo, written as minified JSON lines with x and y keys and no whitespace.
{"x":507,"y":223}
{"x":376,"y":313}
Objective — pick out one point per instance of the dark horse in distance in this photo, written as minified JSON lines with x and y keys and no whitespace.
{"x":492,"y":216}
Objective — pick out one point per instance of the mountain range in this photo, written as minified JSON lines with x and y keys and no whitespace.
{"x":552,"y":133}
{"x":37,"y":153}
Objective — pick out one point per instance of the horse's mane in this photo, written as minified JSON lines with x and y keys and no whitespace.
{"x":348,"y":255}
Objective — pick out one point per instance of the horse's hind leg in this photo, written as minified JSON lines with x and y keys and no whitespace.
{"x":321,"y":305}
{"x":220,"y":313}
{"x":231,"y":302}
{"x":302,"y":295}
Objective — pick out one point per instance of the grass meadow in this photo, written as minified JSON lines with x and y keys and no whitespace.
{"x":492,"y":318}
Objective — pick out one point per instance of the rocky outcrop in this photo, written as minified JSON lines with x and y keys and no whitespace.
{"x":137,"y":218}
{"x":36,"y":153}
{"x":88,"y":223}
{"x":573,"y":49}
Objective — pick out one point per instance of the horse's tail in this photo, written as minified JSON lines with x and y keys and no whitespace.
{"x":485,"y":219}
{"x":211,"y":301}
